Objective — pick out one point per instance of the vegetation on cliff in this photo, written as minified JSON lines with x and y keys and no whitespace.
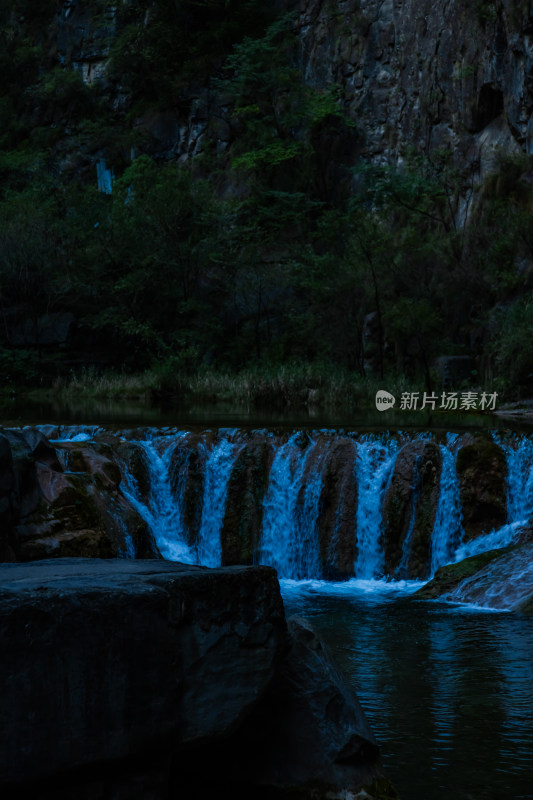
{"x":276,"y":244}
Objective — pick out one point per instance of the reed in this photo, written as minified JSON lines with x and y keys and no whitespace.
{"x":286,"y":386}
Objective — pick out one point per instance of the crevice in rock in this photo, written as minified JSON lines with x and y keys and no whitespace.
{"x":489,"y":106}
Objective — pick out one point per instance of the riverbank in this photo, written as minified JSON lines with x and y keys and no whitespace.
{"x":320,"y":387}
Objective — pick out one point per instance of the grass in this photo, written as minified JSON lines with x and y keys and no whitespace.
{"x":110,"y":385}
{"x":288,"y":386}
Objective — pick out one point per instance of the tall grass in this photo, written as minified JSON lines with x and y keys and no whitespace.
{"x":91,"y":383}
{"x":287,"y":386}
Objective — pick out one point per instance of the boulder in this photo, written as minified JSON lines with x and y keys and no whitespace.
{"x":187,"y":478}
{"x":409,"y":509}
{"x":338,"y":511}
{"x":153,"y":680}
{"x":64,"y":500}
{"x":506,"y":583}
{"x":241,"y":529}
{"x":482,"y":473}
{"x":106,"y":659}
{"x":308,"y":738}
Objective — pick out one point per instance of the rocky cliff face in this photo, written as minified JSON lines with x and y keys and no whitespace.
{"x":430,"y":76}
{"x":413,"y":74}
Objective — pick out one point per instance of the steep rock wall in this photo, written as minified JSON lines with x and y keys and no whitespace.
{"x":413,"y":74}
{"x":427,"y":75}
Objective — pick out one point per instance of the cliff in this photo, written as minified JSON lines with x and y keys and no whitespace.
{"x":413,"y":74}
{"x":316,"y":179}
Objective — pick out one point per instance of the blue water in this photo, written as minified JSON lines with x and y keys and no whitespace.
{"x":448,"y":691}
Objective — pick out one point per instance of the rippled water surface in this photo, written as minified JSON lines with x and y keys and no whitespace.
{"x":448,"y":691}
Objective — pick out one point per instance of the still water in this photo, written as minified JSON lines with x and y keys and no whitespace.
{"x":448,"y":691}
{"x":18,"y":411}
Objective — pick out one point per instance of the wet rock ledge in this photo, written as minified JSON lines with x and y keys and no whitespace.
{"x":154,"y":680}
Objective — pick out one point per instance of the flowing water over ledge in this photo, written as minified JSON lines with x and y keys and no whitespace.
{"x":321,"y":504}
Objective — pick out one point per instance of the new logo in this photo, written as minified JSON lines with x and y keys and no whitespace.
{"x":384,"y":400}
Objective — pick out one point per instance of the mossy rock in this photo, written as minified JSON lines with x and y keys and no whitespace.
{"x":187,"y":479}
{"x":448,"y":577}
{"x":338,"y":511}
{"x":482,"y":473}
{"x":243,"y":516}
{"x":69,"y":544}
{"x":94,"y":459}
{"x":413,"y":490}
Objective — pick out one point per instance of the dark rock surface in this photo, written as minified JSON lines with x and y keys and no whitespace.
{"x":247,"y":485}
{"x":500,"y":579}
{"x":101,"y":658}
{"x":482,"y":473}
{"x":413,"y":74}
{"x":409,"y":508}
{"x":64,"y":499}
{"x":309,"y":735}
{"x":150,"y":680}
{"x":338,"y":504}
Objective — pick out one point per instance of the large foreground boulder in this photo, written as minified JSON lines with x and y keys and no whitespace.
{"x":128,"y":679}
{"x":308,"y":738}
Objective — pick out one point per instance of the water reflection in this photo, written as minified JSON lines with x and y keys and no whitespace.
{"x":448,"y":693}
{"x":60,"y":410}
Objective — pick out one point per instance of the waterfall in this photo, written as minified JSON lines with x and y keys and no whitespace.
{"x":163,"y":511}
{"x":289,"y":539}
{"x":129,"y":549}
{"x":519,"y":459}
{"x":520,"y":479}
{"x":448,"y":527}
{"x":218,"y":468}
{"x":374,"y":467}
{"x":188,"y":477}
{"x":494,"y":540}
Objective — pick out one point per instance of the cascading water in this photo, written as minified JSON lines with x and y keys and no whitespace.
{"x":519,"y":459}
{"x":519,"y":478}
{"x":495,"y":540}
{"x":448,"y":529}
{"x":291,"y":505}
{"x":162,"y":511}
{"x":219,"y":463}
{"x":374,"y":467}
{"x":289,"y":540}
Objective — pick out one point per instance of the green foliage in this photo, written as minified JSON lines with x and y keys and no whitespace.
{"x":278,"y":114}
{"x":63,"y":95}
{"x":278,"y":255}
{"x":164,"y":46}
{"x":512,"y":343}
